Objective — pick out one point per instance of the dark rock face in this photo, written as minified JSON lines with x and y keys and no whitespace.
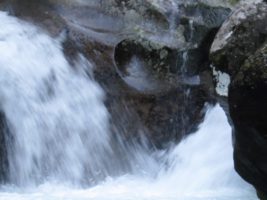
{"x":240,"y":48}
{"x":160,"y":117}
{"x":248,"y":107}
{"x":169,"y":41}
{"x":3,"y":149}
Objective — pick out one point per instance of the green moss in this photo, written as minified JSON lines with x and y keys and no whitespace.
{"x":254,"y":68}
{"x":233,"y":2}
{"x":246,"y":65}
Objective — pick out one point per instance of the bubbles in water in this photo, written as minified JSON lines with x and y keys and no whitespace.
{"x":60,"y":134}
{"x":59,"y":123}
{"x":57,"y":116}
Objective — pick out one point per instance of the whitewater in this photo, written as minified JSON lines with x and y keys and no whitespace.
{"x":60,"y":145}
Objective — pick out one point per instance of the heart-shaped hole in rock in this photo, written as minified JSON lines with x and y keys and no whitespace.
{"x":145,"y":66}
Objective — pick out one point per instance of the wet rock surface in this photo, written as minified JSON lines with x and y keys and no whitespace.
{"x":239,"y":37}
{"x":145,"y":66}
{"x":160,"y":46}
{"x":240,"y":49}
{"x":3,"y":149}
{"x":248,"y":107}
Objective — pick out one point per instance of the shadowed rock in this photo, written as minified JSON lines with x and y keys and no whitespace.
{"x":240,"y":49}
{"x":3,"y":149}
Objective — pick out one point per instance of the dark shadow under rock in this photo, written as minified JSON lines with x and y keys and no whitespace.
{"x":248,"y":108}
{"x":240,"y":49}
{"x":3,"y":148}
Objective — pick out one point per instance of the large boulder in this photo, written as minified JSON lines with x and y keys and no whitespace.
{"x":239,"y":37}
{"x":240,"y":49}
{"x":248,"y":108}
{"x":151,"y":57}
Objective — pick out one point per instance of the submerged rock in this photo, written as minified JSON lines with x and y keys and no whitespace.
{"x":240,"y":49}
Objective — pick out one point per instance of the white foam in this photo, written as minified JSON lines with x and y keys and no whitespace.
{"x":61,"y":135}
{"x":57,"y":116}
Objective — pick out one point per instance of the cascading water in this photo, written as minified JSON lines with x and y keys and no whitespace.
{"x":58,"y":121}
{"x":60,"y":136}
{"x":50,"y":108}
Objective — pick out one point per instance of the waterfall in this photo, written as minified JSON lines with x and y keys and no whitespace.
{"x":56,"y":113}
{"x":59,"y":138}
{"x":58,"y":121}
{"x":199,"y":168}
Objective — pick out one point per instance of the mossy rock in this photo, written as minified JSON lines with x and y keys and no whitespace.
{"x":239,"y":37}
{"x":254,"y":70}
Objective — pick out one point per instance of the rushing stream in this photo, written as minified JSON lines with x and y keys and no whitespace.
{"x":60,"y":146}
